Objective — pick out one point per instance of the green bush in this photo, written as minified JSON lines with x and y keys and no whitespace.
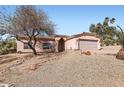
{"x":7,"y":46}
{"x":4,"y":51}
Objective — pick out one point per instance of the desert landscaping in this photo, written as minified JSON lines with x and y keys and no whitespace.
{"x":34,"y":53}
{"x":69,"y":68}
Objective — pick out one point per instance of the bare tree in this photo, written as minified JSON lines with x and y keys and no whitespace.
{"x":3,"y":22}
{"x":30,"y":22}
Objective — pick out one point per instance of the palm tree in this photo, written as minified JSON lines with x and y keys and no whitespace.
{"x":120,"y":36}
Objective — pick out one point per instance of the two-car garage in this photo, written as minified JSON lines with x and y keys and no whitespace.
{"x":87,"y":44}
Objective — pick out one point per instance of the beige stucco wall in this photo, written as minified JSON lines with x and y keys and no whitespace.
{"x":73,"y":43}
{"x":20,"y":46}
{"x":88,"y":37}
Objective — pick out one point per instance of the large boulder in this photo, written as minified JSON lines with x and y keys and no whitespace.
{"x":120,"y":54}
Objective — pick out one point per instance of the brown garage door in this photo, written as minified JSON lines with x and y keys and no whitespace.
{"x":88,"y":44}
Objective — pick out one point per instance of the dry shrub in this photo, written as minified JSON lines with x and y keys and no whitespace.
{"x":120,"y":54}
{"x":86,"y":53}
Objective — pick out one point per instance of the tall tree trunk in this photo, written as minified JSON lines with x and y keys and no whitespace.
{"x":34,"y":51}
{"x":33,"y":48}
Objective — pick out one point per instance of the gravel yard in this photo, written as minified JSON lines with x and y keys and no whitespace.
{"x":101,"y":69}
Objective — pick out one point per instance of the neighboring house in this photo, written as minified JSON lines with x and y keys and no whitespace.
{"x":58,"y":43}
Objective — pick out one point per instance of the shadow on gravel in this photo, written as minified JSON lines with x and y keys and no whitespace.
{"x":110,"y":54}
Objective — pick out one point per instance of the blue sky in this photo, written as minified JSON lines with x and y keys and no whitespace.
{"x":76,"y":19}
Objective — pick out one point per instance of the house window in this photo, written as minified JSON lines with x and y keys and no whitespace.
{"x":47,"y":46}
{"x":26,"y":46}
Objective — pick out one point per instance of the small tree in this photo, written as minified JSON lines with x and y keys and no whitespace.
{"x":120,"y":36}
{"x":30,"y":22}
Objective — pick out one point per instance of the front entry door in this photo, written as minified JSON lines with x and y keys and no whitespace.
{"x":61,"y":45}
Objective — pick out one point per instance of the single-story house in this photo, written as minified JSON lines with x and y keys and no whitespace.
{"x":58,"y":43}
